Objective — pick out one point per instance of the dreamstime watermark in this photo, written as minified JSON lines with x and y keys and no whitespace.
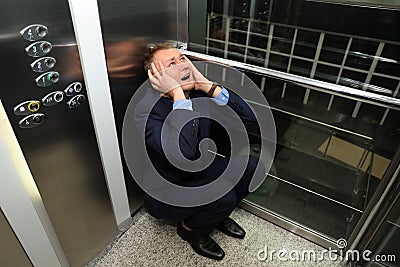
{"x":312,"y":255}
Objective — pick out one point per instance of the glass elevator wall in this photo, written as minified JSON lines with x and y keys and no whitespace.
{"x":332,"y":151}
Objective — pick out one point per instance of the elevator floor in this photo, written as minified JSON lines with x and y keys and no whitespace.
{"x":151,"y":242}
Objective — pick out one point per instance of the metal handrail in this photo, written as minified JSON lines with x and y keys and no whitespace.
{"x":330,"y":88}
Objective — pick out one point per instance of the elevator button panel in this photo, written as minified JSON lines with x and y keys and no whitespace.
{"x":43,"y":64}
{"x":47,"y":79}
{"x":32,"y":120}
{"x":76,"y":101}
{"x":27,"y":107}
{"x":73,"y":89}
{"x":38,"y":49}
{"x":34,"y":32}
{"x":53,"y":98}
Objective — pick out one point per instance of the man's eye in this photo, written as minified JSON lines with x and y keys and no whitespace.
{"x":183,"y":59}
{"x":171,"y":64}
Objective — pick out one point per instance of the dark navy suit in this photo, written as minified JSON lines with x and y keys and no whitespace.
{"x":204,"y":218}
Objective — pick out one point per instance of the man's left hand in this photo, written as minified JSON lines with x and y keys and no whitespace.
{"x":201,"y":82}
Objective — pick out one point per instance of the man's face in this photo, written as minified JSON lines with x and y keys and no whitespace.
{"x":176,"y":66}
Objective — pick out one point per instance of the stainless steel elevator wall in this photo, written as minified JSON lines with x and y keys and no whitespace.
{"x":11,"y":251}
{"x":155,"y":20}
{"x":62,"y":152}
{"x":128,"y":28}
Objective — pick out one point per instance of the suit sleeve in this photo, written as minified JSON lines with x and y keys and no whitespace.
{"x":182,"y":124}
{"x":240,"y":107}
{"x":179,"y":122}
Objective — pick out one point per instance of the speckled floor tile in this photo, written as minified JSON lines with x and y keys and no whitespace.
{"x":150,"y":242}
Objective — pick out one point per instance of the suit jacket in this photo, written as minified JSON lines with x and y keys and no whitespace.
{"x":190,"y":126}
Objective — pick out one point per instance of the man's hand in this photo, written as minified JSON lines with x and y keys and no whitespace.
{"x":201,"y":82}
{"x":165,"y":84}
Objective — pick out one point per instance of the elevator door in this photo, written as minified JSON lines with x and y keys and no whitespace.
{"x":45,"y":99}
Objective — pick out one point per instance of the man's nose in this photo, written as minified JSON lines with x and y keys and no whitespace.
{"x":178,"y":62}
{"x":182,"y":65}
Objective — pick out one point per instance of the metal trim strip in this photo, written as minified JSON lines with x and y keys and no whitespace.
{"x":340,"y":90}
{"x":288,"y":225}
{"x":86,"y":22}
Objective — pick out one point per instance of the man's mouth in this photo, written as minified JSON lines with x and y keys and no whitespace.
{"x":186,"y":77}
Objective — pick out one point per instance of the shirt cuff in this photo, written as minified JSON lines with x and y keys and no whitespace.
{"x":183,"y":104}
{"x":222,"y":98}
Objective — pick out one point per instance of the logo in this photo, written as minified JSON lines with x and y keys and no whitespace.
{"x":341,"y":243}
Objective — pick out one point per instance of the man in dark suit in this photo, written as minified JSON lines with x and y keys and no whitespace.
{"x":179,"y":83}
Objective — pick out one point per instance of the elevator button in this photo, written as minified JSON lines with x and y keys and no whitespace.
{"x":43,"y":64}
{"x":73,"y":89}
{"x":38,"y":49}
{"x":80,"y":99}
{"x":38,"y":119}
{"x":47,"y":79}
{"x":76,"y":101}
{"x":27,"y":107}
{"x":34,"y":32}
{"x":32,"y":120}
{"x":53,"y":98}
{"x":45,"y":47}
{"x":33,"y":106}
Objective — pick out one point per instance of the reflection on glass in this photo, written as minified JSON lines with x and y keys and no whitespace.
{"x":320,"y":176}
{"x":385,"y":244}
{"x":332,"y":151}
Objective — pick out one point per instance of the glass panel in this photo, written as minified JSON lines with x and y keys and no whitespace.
{"x":379,"y":3}
{"x":309,"y":34}
{"x":385,"y":246}
{"x":332,"y":151}
{"x":321,"y":173}
{"x":334,"y":48}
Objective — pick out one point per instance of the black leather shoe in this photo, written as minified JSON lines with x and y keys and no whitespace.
{"x":202,"y":244}
{"x":231,"y":228}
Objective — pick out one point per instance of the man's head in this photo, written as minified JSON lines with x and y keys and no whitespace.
{"x":176,"y":65}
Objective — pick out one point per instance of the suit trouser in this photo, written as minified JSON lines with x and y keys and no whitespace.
{"x":203,"y":219}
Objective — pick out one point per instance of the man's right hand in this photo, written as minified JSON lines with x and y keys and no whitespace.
{"x":165,"y":84}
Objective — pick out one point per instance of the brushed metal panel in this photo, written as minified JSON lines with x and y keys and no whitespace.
{"x":11,"y":251}
{"x":123,"y":19}
{"x":182,"y":23}
{"x":62,"y":152}
{"x":128,"y":27}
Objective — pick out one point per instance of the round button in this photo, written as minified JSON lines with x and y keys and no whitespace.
{"x":45,"y":47}
{"x":33,"y":106}
{"x":78,"y":87}
{"x":49,"y":62}
{"x":58,"y":97}
{"x":41,"y":31}
{"x":38,"y":118}
{"x":80,"y":99}
{"x":53,"y":77}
